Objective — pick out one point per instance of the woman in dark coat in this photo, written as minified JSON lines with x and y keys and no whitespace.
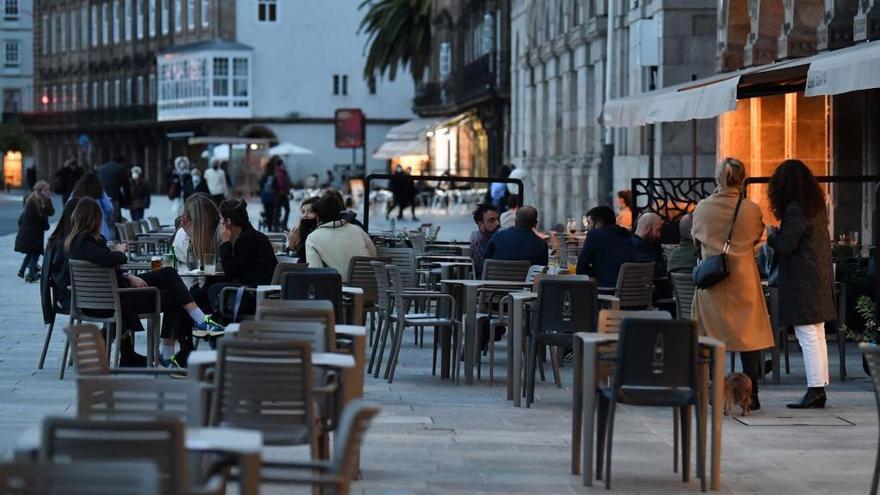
{"x":32,"y":223}
{"x":803,"y":250}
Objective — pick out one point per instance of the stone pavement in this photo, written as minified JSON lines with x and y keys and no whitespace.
{"x":436,"y":437}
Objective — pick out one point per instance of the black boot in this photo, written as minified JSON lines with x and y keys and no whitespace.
{"x":754,"y":403}
{"x":813,"y":399}
{"x":127,"y":357}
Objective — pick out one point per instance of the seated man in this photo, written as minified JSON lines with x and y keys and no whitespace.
{"x":646,"y":242}
{"x":684,"y":257}
{"x":486,"y":218}
{"x":520,"y":241}
{"x":334,"y":242}
{"x":606,"y":247}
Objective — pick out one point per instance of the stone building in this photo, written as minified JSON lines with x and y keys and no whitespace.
{"x":16,"y":79}
{"x":145,"y":79}
{"x":558,"y":89}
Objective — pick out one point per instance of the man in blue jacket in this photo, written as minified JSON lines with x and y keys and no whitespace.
{"x":606,"y":248}
{"x":520,"y":241}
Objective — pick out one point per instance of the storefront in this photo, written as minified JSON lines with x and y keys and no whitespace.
{"x":407,"y":145}
{"x":459,"y":146}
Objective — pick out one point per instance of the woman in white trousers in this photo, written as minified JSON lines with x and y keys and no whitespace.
{"x":803,"y":251}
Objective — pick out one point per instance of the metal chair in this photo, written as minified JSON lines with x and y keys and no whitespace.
{"x":634,"y":288}
{"x":405,"y":260}
{"x":284,"y":267}
{"x":683,"y":290}
{"x":79,"y":478}
{"x":656,"y":365}
{"x":140,"y":399}
{"x":159,"y":441}
{"x":49,"y":302}
{"x":505,"y":270}
{"x":362,"y":275}
{"x":301,"y":311}
{"x":89,"y":353}
{"x":94,"y":289}
{"x":871,"y":352}
{"x":566,"y":305}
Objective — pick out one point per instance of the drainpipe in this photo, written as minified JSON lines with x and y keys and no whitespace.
{"x":606,"y":171}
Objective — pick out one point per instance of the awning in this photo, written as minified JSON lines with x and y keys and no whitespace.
{"x":393,"y":149}
{"x":853,"y":68}
{"x":414,"y":129}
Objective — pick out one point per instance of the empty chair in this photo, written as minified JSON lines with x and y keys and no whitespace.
{"x":611,"y":320}
{"x":314,"y":284}
{"x":140,"y":399}
{"x":418,"y":241}
{"x":320,"y":311}
{"x":405,"y":260}
{"x":656,"y":365}
{"x":504,"y":270}
{"x":50,"y":303}
{"x":683,"y":289}
{"x":284,"y":267}
{"x":79,"y":478}
{"x":566,"y":305}
{"x":635,"y":283}
{"x":362,"y":275}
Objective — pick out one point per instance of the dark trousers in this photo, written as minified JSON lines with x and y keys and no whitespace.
{"x":136,"y":214}
{"x":283,"y":203}
{"x":751,"y":364}
{"x":218,"y":198}
{"x":269,"y":207}
{"x":30,"y":262}
{"x":174,"y":295}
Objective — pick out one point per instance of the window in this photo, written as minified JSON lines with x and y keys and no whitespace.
{"x":190,"y":14}
{"x":54,"y":98}
{"x":11,"y":100}
{"x":240,"y":80}
{"x":84,"y":28}
{"x":371,"y":84}
{"x":117,"y":20}
{"x":140,"y":19}
{"x":139,"y":90}
{"x":151,"y":18}
{"x":64,"y":101}
{"x":94,"y":23}
{"x":10,"y":11}
{"x":74,"y":37}
{"x":106,"y":95}
{"x":105,"y":23}
{"x":344,"y":85}
{"x":165,"y":21}
{"x":62,"y":24}
{"x":178,"y":16}
{"x":94,"y":95}
{"x":117,"y":93}
{"x":84,"y":102}
{"x":267,"y":10}
{"x":46,"y":28}
{"x":151,"y":90}
{"x":127,"y":95}
{"x":11,"y":54}
{"x":74,"y":94}
{"x":206,"y":13}
{"x":53,"y":33}
{"x":335,"y":84}
{"x":128,"y":18}
{"x":221,"y":79}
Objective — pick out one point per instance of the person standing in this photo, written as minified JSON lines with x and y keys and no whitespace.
{"x":283,"y":201}
{"x":140,"y":194}
{"x":486,"y":218}
{"x":32,"y":223}
{"x":179,"y":184}
{"x":269,"y":193}
{"x":66,"y":178}
{"x":802,"y":248}
{"x":215,"y":178}
{"x":116,"y":178}
{"x":733,"y":310}
{"x":399,"y":192}
{"x":199,"y":184}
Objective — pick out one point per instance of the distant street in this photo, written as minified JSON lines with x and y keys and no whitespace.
{"x":10,"y":209}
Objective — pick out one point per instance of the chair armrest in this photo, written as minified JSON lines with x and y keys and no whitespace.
{"x":606,"y":289}
{"x":145,"y":290}
{"x":148,"y":371}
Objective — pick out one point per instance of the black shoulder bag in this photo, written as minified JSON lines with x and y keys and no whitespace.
{"x":713,"y":269}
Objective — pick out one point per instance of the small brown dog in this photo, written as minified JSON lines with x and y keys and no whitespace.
{"x":737,"y":392}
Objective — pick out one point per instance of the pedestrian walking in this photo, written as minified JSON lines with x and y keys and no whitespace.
{"x":179,"y":184}
{"x":32,"y":223}
{"x":215,"y":178}
{"x":733,"y":310}
{"x":802,"y":248}
{"x":140,"y":194}
{"x":269,"y":194}
{"x":199,"y":184}
{"x":115,"y":175}
{"x":66,"y":178}
{"x":283,"y":200}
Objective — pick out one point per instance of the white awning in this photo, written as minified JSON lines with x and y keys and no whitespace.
{"x":412,"y":130}
{"x":393,"y":149}
{"x":853,"y":68}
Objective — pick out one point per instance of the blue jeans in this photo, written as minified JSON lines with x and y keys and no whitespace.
{"x":30,"y":262}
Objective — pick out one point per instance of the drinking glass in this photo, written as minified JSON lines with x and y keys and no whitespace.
{"x":572,"y":265}
{"x":168,"y":260}
{"x":210,"y":263}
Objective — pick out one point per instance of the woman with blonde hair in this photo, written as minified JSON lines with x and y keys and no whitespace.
{"x":197,"y":235}
{"x":733,"y":310}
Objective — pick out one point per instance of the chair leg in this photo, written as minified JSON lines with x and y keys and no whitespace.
{"x":375,"y":347}
{"x":675,"y":428}
{"x":555,"y":362}
{"x":612,"y":407}
{"x":395,"y":352}
{"x":686,"y":444}
{"x":64,"y":358}
{"x":434,"y":352}
{"x":491,"y":355}
{"x":457,"y":339}
{"x":542,"y":357}
{"x":49,"y":328}
{"x":701,"y":444}
{"x":383,"y":337}
{"x":876,"y":479}
{"x":530,"y":370}
{"x":841,"y":352}
{"x":601,"y":426}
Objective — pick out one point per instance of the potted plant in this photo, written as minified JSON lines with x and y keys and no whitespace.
{"x":867,"y":310}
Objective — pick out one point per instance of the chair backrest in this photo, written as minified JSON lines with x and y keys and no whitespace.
{"x":314,"y":284}
{"x":418,"y":241}
{"x":635,"y":283}
{"x":154,"y":223}
{"x":404,"y":259}
{"x":655,"y":356}
{"x":89,"y":350}
{"x":349,"y":436}
{"x":534,"y":271}
{"x":382,"y":284}
{"x":160,"y":442}
{"x":79,"y":478}
{"x":506,"y":270}
{"x":318,"y":310}
{"x":611,"y":319}
{"x":567,"y":304}
{"x":265,"y":386}
{"x":312,"y":332}
{"x":361,"y":274}
{"x":132,"y":229}
{"x":121,"y":231}
{"x":140,"y":399}
{"x":284,"y":267}
{"x":92,"y":286}
{"x":683,"y":289}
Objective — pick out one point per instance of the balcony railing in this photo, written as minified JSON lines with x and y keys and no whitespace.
{"x":92,"y":117}
{"x":485,"y":76}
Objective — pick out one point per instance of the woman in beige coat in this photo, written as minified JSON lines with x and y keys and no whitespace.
{"x":734,"y":310}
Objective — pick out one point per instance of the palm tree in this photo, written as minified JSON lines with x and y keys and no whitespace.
{"x":399,"y":36}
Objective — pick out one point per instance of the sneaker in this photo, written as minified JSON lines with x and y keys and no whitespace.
{"x":20,"y":274}
{"x":208,"y":328}
{"x":32,"y":277}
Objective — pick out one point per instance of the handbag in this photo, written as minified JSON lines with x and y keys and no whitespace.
{"x":713,"y":269}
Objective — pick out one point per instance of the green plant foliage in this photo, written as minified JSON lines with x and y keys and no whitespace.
{"x":398,"y":36}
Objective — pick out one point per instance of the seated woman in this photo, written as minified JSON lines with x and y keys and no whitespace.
{"x":86,"y":243}
{"x":335,"y":241}
{"x":246,"y":255}
{"x":296,"y":240}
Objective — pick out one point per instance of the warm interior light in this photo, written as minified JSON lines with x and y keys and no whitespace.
{"x":254,"y":146}
{"x":12,"y":168}
{"x":429,"y":134}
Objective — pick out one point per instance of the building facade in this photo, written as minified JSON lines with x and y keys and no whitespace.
{"x":558,"y":81}
{"x":140,"y":78}
{"x":16,"y":78}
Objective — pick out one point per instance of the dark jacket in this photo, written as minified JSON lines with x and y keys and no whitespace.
{"x":57,"y":277}
{"x":140,"y":194}
{"x":65,"y":179}
{"x":179,"y":185}
{"x":517,"y":243}
{"x":117,"y":181}
{"x":683,"y":258}
{"x":647,"y":252}
{"x":86,"y":247}
{"x":32,"y":223}
{"x":605,"y":249}
{"x":251,"y":260}
{"x":202,"y":187}
{"x":803,"y":252}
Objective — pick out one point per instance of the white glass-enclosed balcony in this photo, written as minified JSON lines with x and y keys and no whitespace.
{"x":210,"y":80}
